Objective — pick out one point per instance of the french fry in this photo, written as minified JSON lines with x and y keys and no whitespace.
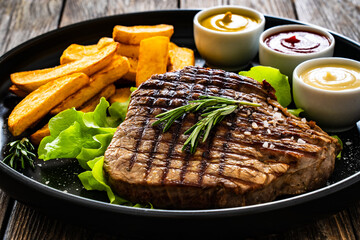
{"x":108,"y":75}
{"x":18,"y":92}
{"x":131,"y":74}
{"x":37,"y":136}
{"x":180,"y":57}
{"x":108,"y":91}
{"x":76,"y":52}
{"x":153,"y":57}
{"x":90,"y":105}
{"x":134,"y":34}
{"x":128,"y":50}
{"x":31,"y":80}
{"x":38,"y":103}
{"x":120,"y":95}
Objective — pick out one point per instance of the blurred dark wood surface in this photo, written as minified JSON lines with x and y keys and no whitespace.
{"x":21,"y":20}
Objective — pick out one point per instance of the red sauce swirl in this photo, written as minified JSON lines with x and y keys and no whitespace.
{"x":297,"y":42}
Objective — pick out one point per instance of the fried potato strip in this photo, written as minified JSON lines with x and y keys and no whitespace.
{"x":131,"y":74}
{"x":38,"y":103}
{"x":121,"y":95}
{"x":76,"y":52}
{"x":31,"y":80}
{"x":89,"y":106}
{"x":153,"y":57}
{"x":134,"y":34}
{"x":128,"y":50}
{"x":108,"y":75}
{"x":180,"y":57}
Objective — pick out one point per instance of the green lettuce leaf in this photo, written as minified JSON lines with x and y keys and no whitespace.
{"x":95,"y":180}
{"x":296,"y":112}
{"x":86,"y":136}
{"x":277,"y":80}
{"x":74,"y":134}
{"x":341,"y":143}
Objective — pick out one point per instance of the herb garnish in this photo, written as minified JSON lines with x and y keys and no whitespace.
{"x":20,"y":154}
{"x":213,"y":109}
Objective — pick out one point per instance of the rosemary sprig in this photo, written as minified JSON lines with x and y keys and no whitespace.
{"x":213,"y":109}
{"x":20,"y":154}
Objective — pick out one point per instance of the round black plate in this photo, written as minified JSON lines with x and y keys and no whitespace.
{"x":53,"y":187}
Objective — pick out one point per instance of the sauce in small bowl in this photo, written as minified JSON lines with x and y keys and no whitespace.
{"x":284,"y":47}
{"x":297,"y":42}
{"x":328,"y":89}
{"x":229,"y":22}
{"x":332,"y":77}
{"x":227,"y":36}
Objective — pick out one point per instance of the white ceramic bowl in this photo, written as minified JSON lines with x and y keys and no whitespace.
{"x":286,"y":63}
{"x":334,"y":111}
{"x":227,"y":50}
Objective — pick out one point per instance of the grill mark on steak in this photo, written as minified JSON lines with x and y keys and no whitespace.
{"x":175,"y":138}
{"x":133,"y":157}
{"x":232,"y":168}
{"x":138,"y":141}
{"x":205,"y":156}
{"x":149,"y":162}
{"x":155,"y":143}
{"x":188,"y":154}
{"x":289,"y":146}
{"x":223,"y":154}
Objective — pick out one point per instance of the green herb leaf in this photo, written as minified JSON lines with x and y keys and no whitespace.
{"x":20,"y":154}
{"x":213,"y":109}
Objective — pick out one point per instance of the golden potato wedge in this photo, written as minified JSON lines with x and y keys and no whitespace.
{"x":31,"y":80}
{"x":108,"y":91}
{"x":134,"y":34}
{"x":131,"y":74}
{"x":37,"y":136}
{"x":120,"y":95}
{"x":38,"y":103}
{"x":153,"y":58}
{"x":90,"y":105}
{"x":114,"y":71}
{"x":180,"y":57}
{"x":18,"y":92}
{"x":128,"y":50}
{"x":76,"y":52}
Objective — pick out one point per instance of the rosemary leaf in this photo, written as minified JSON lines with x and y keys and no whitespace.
{"x":20,"y":153}
{"x":213,"y":110}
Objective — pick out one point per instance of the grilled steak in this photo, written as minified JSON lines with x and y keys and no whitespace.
{"x":252,"y":156}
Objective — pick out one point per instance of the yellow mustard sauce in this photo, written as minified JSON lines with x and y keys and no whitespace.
{"x":229,"y":22}
{"x":332,"y":77}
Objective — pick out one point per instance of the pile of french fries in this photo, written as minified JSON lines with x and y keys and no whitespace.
{"x":88,"y":73}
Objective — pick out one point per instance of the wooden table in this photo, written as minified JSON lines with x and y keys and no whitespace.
{"x":21,"y":20}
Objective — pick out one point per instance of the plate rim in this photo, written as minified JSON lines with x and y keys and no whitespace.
{"x":165,"y":213}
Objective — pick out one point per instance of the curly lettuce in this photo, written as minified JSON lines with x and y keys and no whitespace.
{"x":276,"y":79}
{"x":75,"y":134}
{"x":86,"y":136}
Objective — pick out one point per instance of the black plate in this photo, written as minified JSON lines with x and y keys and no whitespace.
{"x":54,"y":188}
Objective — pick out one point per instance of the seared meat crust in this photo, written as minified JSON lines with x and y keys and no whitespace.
{"x":252,"y":156}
